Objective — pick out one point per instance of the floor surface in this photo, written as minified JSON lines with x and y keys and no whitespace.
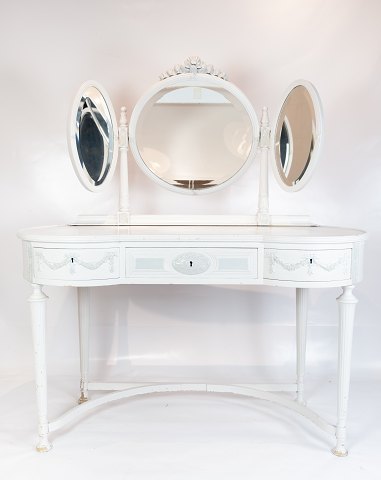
{"x":188,"y":436}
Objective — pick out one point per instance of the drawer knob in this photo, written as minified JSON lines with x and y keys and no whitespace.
{"x":191,"y":263}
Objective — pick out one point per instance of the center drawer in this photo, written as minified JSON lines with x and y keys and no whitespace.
{"x":192,"y":262}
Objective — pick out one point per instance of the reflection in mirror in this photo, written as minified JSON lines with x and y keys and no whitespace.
{"x":295,"y":136}
{"x":194,"y":137}
{"x":94,"y":136}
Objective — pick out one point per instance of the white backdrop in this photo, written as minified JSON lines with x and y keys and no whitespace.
{"x":49,"y":48}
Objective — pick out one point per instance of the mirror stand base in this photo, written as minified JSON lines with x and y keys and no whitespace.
{"x":263,"y":219}
{"x":292,"y":220}
{"x":95,"y":219}
{"x":125,"y":219}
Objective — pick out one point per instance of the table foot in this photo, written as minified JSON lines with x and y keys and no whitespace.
{"x":43,"y":445}
{"x":82,"y":399}
{"x":340,"y":452}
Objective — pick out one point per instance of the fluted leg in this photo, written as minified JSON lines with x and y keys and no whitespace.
{"x":347,"y":306}
{"x":83,"y":318}
{"x":301,"y":330}
{"x":37,"y":303}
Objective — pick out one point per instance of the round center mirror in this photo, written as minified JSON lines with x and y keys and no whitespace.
{"x":193,"y":133}
{"x":297,"y":136}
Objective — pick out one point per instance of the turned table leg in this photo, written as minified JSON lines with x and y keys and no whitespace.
{"x":37,"y":303}
{"x":83,"y":319}
{"x":301,"y":330}
{"x":347,"y":306}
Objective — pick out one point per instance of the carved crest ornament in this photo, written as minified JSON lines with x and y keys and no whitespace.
{"x":193,"y":65}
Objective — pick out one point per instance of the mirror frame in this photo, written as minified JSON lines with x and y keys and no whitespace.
{"x":318,"y":110}
{"x":196,"y":80}
{"x":71,"y":137}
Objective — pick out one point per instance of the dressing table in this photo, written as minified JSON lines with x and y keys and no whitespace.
{"x":194,"y":132}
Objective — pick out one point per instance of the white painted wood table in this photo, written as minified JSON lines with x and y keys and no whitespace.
{"x":296,"y":257}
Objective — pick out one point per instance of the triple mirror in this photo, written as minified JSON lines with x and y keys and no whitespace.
{"x":195,"y":132}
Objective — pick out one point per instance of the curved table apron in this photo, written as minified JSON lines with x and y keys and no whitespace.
{"x":297,"y":257}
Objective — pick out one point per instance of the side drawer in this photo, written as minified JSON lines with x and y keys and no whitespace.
{"x":307,"y":265}
{"x":208,"y":263}
{"x":76,"y":264}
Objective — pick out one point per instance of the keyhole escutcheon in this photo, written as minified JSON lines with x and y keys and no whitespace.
{"x":191,"y":263}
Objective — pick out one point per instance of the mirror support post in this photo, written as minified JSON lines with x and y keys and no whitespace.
{"x":263,"y":216}
{"x":124,"y":207}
